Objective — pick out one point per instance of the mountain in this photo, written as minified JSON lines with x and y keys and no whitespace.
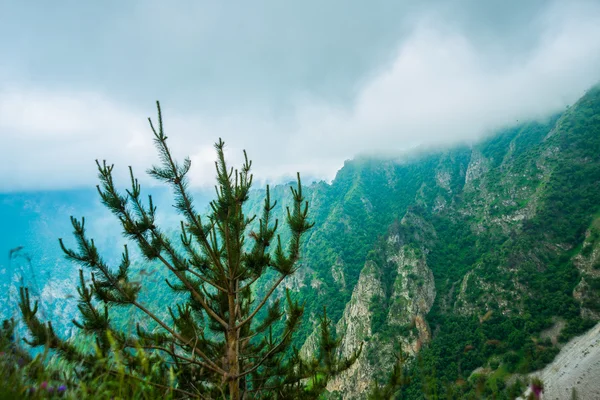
{"x":572,"y":373}
{"x":31,"y":224}
{"x":464,"y":258}
{"x":479,"y":262}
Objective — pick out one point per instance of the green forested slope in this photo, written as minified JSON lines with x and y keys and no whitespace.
{"x":462,"y":258}
{"x":508,"y":220}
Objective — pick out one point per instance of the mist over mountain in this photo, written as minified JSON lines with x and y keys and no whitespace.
{"x":475,"y":259}
{"x":448,"y":153}
{"x":401,"y":74}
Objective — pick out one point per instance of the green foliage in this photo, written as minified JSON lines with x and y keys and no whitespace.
{"x":221,"y":337}
{"x":43,"y":377}
{"x":515,"y":229}
{"x":537,"y":257}
{"x":575,"y":326}
{"x":398,"y":379}
{"x":378,"y":314}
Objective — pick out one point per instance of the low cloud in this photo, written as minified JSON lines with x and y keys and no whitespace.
{"x":442,"y":85}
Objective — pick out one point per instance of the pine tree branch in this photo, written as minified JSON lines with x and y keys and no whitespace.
{"x":196,"y":350}
{"x":210,"y":282}
{"x":246,"y":286}
{"x":104,"y":269}
{"x":97,"y":262}
{"x":117,"y":205}
{"x":197,"y":296}
{"x":266,"y":356}
{"x":123,"y":373}
{"x":134,"y":195}
{"x":179,"y":184}
{"x":174,"y":355}
{"x":262,"y":303}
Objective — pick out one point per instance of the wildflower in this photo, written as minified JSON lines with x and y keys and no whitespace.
{"x":537,"y":388}
{"x":61,"y":389}
{"x":44,"y":385}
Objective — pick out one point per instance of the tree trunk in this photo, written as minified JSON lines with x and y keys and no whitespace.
{"x":233,"y":348}
{"x":234,"y":365}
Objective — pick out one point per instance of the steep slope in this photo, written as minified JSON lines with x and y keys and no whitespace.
{"x":575,"y":369}
{"x":463,"y":258}
{"x":467,"y":255}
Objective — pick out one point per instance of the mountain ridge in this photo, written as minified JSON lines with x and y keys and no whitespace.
{"x":493,"y":222}
{"x":460,"y":258}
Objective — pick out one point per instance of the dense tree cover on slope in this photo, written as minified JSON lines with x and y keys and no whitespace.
{"x":222,"y":339}
{"x":534,"y":263}
{"x":350,"y":216}
{"x":517,"y":228}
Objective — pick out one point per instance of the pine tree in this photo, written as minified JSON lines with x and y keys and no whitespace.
{"x":397,"y":380}
{"x":222,"y":341}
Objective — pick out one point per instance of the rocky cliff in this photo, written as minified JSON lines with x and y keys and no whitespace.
{"x":466,"y":255}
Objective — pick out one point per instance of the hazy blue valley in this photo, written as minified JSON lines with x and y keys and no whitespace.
{"x":478,"y":262}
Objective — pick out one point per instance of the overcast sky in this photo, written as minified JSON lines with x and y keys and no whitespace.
{"x":301,"y":85}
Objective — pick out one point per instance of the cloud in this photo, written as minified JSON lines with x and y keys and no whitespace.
{"x":441,"y":90}
{"x":51,"y":139}
{"x":446,"y":80}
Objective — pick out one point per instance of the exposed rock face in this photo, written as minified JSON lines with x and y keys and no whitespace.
{"x":443,"y":179}
{"x":294,"y":282}
{"x":311,"y":344}
{"x":408,"y":300}
{"x":588,"y":264}
{"x":355,"y":325}
{"x":477,"y":168}
{"x":491,"y":295}
{"x":412,"y":297}
{"x":488,"y":222}
{"x":337,"y":272}
{"x":576,"y":368}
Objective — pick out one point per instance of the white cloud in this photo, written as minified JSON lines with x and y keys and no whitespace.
{"x":51,"y":139}
{"x":440,"y":88}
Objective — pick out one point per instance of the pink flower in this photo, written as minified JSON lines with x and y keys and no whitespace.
{"x":537,"y":390}
{"x":44,"y":385}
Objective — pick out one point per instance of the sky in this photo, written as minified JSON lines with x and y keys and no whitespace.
{"x":302,"y":86}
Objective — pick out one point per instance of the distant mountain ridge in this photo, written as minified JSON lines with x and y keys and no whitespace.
{"x":462,"y":258}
